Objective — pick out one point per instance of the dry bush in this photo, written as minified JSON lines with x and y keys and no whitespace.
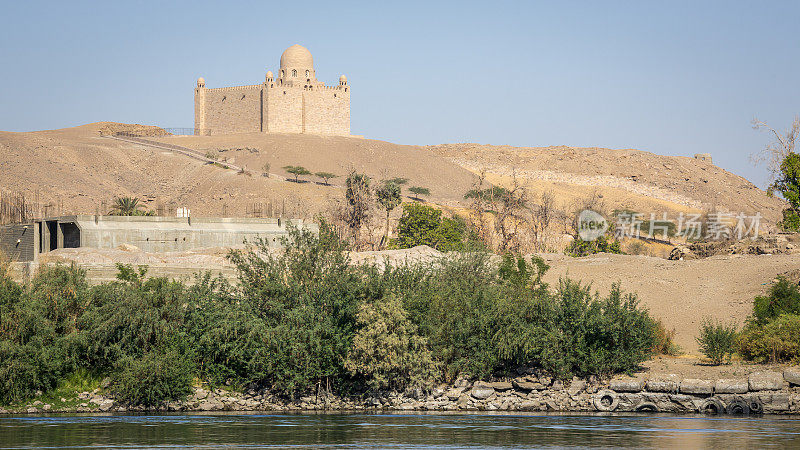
{"x":636,"y":247}
{"x":665,"y":340}
{"x":776,"y":152}
{"x":499,"y":215}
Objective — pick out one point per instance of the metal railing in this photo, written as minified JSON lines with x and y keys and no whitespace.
{"x":154,"y":132}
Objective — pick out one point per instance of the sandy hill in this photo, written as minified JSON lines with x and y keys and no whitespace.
{"x":631,"y":179}
{"x":82,"y":170}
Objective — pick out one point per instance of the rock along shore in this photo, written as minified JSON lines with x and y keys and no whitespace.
{"x":760,"y":392}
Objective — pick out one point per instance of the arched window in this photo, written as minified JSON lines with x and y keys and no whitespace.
{"x":283,"y":74}
{"x":294,"y":72}
{"x":307,"y":72}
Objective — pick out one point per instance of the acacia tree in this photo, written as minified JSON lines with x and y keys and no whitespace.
{"x":784,"y":167}
{"x":418,"y":191}
{"x":297,"y":171}
{"x":326,"y":176}
{"x":400,"y":181}
{"x":389,"y":196}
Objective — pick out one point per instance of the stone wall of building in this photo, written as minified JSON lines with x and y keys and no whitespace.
{"x":327,"y":111}
{"x":284,"y":110}
{"x":273,"y":108}
{"x":232,"y":110}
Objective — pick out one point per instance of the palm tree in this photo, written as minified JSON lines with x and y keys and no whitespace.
{"x":389,"y":196}
{"x":127,"y":206}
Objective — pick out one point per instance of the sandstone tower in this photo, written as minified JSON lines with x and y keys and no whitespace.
{"x":294,"y":102}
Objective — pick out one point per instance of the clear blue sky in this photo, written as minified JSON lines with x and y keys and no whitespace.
{"x":667,"y":77}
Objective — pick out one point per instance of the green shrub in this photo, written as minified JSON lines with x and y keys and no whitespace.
{"x":516,"y":270}
{"x":387,"y":351}
{"x":154,"y":378}
{"x":10,"y":291}
{"x":423,"y":225}
{"x":603,"y":244}
{"x":775,"y":342}
{"x":26,"y":368}
{"x":787,"y":183}
{"x":454,"y":303}
{"x":128,"y":319}
{"x":308,"y":297}
{"x":590,"y":334}
{"x":306,"y":318}
{"x":228,"y":336}
{"x":717,"y":341}
{"x":34,"y":349}
{"x":479,"y":322}
{"x":783,"y":298}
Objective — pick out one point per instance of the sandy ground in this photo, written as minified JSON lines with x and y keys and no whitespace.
{"x":691,"y":366}
{"x":681,"y":293}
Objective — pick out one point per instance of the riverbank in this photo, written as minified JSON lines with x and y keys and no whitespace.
{"x":733,"y":389}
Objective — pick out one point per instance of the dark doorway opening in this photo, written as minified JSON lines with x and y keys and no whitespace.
{"x":52,"y":230}
{"x":72,"y":234}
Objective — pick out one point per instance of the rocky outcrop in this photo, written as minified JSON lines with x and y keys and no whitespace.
{"x":763,"y":245}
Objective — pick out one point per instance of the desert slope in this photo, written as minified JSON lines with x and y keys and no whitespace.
{"x":628,"y":178}
{"x":82,"y":171}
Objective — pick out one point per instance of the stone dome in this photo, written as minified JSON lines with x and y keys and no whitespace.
{"x":201,"y":82}
{"x":343,"y":79}
{"x":269,"y":74}
{"x":297,"y":57}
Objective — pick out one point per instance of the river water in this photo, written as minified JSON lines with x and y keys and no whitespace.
{"x":397,"y":431}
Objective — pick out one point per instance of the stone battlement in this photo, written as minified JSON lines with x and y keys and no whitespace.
{"x":233,"y":88}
